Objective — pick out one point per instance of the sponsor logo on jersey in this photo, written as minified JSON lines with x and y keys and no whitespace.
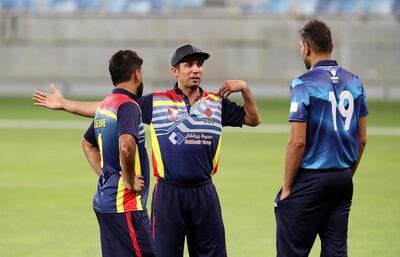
{"x":198,"y":139}
{"x":100,"y":123}
{"x":334,"y":77}
{"x":190,"y":139}
{"x":176,"y":138}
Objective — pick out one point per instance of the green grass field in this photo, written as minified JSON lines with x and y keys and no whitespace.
{"x":46,"y":187}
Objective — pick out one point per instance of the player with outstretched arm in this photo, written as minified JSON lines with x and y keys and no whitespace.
{"x":186,"y":124}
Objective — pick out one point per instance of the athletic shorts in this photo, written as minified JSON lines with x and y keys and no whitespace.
{"x":125,"y":234}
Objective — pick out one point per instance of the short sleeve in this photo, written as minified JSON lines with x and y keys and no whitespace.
{"x":146,"y":105}
{"x":364,"y":108}
{"x":300,"y":102}
{"x":232,"y":114}
{"x":90,"y":136}
{"x":128,"y":119}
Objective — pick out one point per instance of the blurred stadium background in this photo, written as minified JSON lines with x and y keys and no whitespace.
{"x":69,"y":42}
{"x":46,"y":186}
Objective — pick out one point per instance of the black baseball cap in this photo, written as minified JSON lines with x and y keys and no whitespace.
{"x":186,"y":50}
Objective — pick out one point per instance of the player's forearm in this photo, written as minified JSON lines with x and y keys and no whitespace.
{"x":362,"y":132}
{"x":86,"y":109}
{"x":361,"y":148}
{"x":95,"y":161}
{"x":127,"y":151}
{"x":294,"y":154}
{"x":252,"y":117}
{"x":92,"y":154}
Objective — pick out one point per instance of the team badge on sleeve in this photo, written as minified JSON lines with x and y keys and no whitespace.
{"x":294,"y":106}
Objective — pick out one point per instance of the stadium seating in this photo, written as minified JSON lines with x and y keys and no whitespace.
{"x":278,"y":7}
{"x":186,"y":3}
{"x":157,"y":4}
{"x":88,"y":5}
{"x":380,"y":6}
{"x":306,"y":7}
{"x":63,"y":5}
{"x":18,"y":5}
{"x":334,"y":7}
{"x":396,"y":7}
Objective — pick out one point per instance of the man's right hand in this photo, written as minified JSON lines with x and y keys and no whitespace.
{"x":139,"y":184}
{"x":53,"y":100}
{"x":285,"y":193}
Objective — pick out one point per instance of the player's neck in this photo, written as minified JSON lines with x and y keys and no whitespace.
{"x":128,"y":86}
{"x":319,"y":57}
{"x":190,"y":92}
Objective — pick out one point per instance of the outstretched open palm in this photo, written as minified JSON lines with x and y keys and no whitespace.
{"x":53,"y":100}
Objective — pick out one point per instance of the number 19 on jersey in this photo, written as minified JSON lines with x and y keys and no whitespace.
{"x":345,"y":100}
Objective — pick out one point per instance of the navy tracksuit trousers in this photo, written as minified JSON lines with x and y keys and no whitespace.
{"x":187,"y":210}
{"x":318,"y":204}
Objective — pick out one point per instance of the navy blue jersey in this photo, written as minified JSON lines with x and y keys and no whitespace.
{"x":118,"y":114}
{"x":186,"y":139}
{"x":331,"y":100}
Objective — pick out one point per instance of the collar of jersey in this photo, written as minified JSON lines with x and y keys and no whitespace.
{"x":125,"y":92}
{"x":326,"y":63}
{"x":179,"y":91}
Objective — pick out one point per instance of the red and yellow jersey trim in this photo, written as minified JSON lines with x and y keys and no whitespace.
{"x":215,"y":160}
{"x":156,"y":156}
{"x":127,"y":200}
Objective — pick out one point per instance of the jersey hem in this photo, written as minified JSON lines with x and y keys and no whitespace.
{"x":112,"y":211}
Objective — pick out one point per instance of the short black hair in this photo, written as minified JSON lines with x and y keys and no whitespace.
{"x":318,"y":35}
{"x":122,"y":64}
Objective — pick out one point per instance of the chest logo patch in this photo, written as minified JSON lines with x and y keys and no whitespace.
{"x":208,"y":113}
{"x":173,"y":113}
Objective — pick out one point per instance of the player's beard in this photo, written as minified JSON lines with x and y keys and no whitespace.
{"x":194,"y":85}
{"x":139,"y":91}
{"x":306,"y":60}
{"x":307,"y":63}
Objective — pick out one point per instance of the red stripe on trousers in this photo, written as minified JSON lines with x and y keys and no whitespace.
{"x":129,"y":202}
{"x":154,"y":161}
{"x":133,"y":235}
{"x":153,"y":222}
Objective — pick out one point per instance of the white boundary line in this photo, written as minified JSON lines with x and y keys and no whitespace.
{"x":267,"y":129}
{"x":285,"y":129}
{"x":44,"y":124}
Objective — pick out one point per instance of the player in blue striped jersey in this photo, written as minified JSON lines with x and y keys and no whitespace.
{"x":328,"y":135}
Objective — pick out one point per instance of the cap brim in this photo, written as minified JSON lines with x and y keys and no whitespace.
{"x":204,"y":56}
